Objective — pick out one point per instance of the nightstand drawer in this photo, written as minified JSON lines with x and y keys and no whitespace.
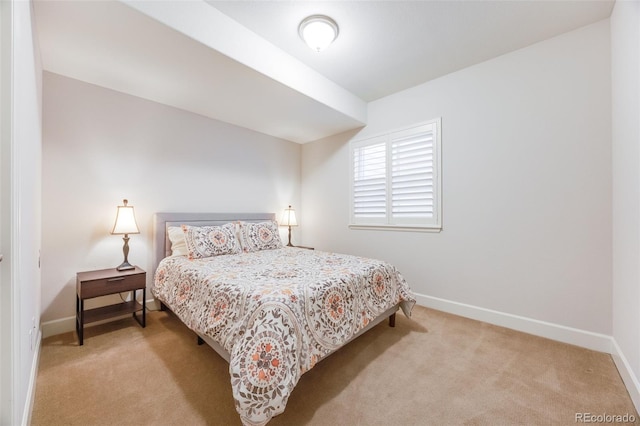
{"x":111,"y":285}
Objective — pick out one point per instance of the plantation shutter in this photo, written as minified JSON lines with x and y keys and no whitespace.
{"x":396,"y":179}
{"x":412,"y":173}
{"x":370,"y":180}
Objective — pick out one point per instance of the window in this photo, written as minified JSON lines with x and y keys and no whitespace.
{"x":396,"y":179}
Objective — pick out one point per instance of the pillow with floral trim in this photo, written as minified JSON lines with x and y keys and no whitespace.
{"x":259,"y":236}
{"x":207,"y":241}
{"x":178,"y":244}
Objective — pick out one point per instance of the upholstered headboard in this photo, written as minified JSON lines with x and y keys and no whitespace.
{"x":161,"y":221}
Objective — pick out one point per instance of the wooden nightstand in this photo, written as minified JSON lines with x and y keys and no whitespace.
{"x":305,"y":247}
{"x":105,"y":282}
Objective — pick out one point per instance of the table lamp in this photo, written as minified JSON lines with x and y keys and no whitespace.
{"x":289,"y":219}
{"x":125,"y":224}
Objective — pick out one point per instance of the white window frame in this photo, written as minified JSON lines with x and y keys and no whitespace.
{"x":386,"y":221}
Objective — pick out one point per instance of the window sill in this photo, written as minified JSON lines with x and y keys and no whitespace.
{"x":407,"y":228}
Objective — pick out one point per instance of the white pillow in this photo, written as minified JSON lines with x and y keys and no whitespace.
{"x":178,"y":243}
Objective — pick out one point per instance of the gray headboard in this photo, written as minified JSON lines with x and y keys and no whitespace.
{"x":161,"y":244}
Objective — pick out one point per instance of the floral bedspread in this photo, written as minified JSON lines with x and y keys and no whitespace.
{"x":277,"y":313}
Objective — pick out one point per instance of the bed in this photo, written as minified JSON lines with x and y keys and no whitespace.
{"x":271,"y":311}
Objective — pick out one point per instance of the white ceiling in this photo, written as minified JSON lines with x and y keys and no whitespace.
{"x":242,"y":61}
{"x":387,"y":46}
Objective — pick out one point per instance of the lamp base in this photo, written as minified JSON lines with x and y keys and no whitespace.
{"x":289,"y":243}
{"x":125,"y":266}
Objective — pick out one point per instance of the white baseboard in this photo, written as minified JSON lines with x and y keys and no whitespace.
{"x":574,"y":336}
{"x":59,"y":326}
{"x":628,"y":377}
{"x":586,"y":339}
{"x":31,"y":390}
{"x":65,"y":325}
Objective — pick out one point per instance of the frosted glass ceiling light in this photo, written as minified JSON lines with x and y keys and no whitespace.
{"x":318,"y":31}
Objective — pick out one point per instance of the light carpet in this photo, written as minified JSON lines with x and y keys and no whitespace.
{"x":432,"y":369}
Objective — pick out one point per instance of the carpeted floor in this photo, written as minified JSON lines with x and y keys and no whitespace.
{"x":433,"y":369}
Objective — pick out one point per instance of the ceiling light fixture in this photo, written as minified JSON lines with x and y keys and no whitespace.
{"x":318,"y":31}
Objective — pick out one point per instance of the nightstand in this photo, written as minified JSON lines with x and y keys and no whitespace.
{"x":104,"y":282}
{"x":305,"y":247}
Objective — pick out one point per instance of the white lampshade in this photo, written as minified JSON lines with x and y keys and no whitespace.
{"x":289,"y":217}
{"x":125,"y":220}
{"x":318,"y":31}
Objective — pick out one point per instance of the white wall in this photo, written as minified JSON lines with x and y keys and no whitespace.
{"x":100,"y":146}
{"x":625,"y":67}
{"x":526,"y":142}
{"x":21,"y":208}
